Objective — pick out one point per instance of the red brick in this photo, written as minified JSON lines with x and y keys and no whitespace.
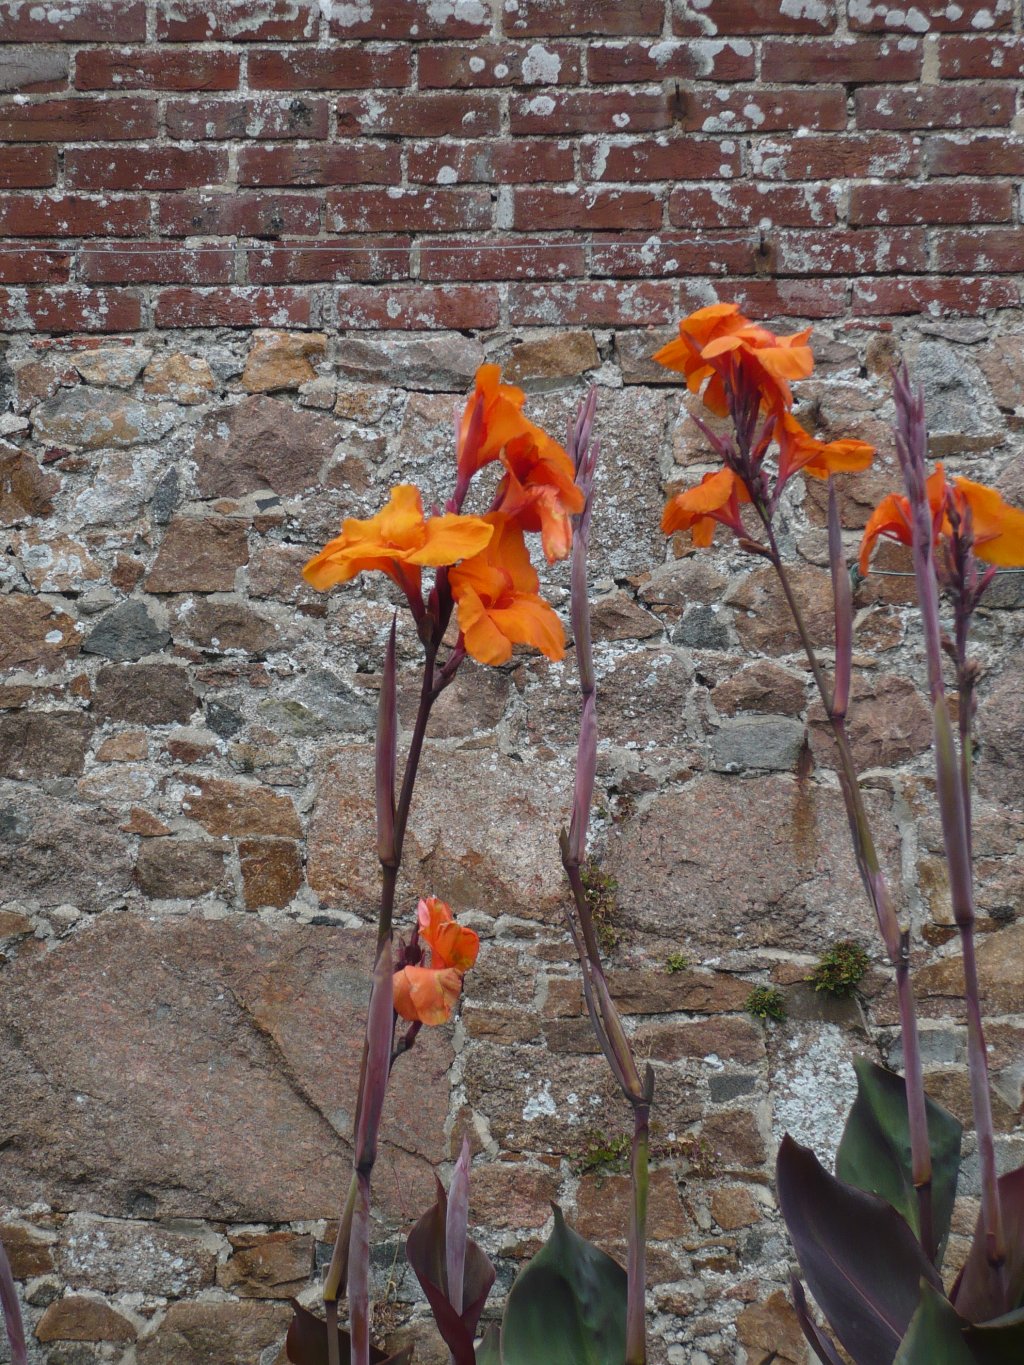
{"x":417,"y":115}
{"x":675,"y":253}
{"x":434,"y":210}
{"x":238,"y":21}
{"x":836,"y":157}
{"x":592,"y":111}
{"x":753,"y":16}
{"x":135,"y":68}
{"x":80,"y":309}
{"x":989,"y":154}
{"x":586,"y":208}
{"x":360,"y":259}
{"x":851,"y":61}
{"x":121,"y":21}
{"x":765,"y":299}
{"x":143,"y":168}
{"x":937,"y":296}
{"x":79,"y":120}
{"x":160,"y":263}
{"x":756,"y":110}
{"x":27,"y":168}
{"x":410,"y":19}
{"x":593,"y":303}
{"x":239,"y":214}
{"x":864,"y":252}
{"x":274,"y":117}
{"x":522,"y":161}
{"x":670,"y":60}
{"x":507,"y":258}
{"x":335,"y":68}
{"x":71,"y":215}
{"x":42,"y":264}
{"x":321,"y":163}
{"x":560,"y":18}
{"x":746,"y":205}
{"x":978,"y":201}
{"x":995,"y":251}
{"x":935,"y":106}
{"x":935,"y":15}
{"x":455,"y":68}
{"x":416,"y":307}
{"x":660,"y":158}
{"x":981,"y":58}
{"x":249,"y":306}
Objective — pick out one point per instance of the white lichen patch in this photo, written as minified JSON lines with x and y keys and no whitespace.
{"x":541,"y":67}
{"x":812,"y":1089}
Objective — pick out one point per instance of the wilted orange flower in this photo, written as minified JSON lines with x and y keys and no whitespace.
{"x":398,"y":540}
{"x":716,"y":341}
{"x":799,"y":450}
{"x":498,"y":600}
{"x":716,"y":498}
{"x":428,"y":994}
{"x":997,"y":529}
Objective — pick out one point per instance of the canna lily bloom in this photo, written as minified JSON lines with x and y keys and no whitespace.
{"x":891,"y":518}
{"x":539,"y":492}
{"x":428,"y":995}
{"x":799,"y":450}
{"x":398,"y":540}
{"x":500,"y":420}
{"x":716,"y":498}
{"x":719,"y":343}
{"x":498,"y":599}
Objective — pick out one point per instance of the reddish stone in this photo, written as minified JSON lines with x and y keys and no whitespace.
{"x":511,"y":1195}
{"x":604,"y":1203}
{"x":34,"y":635}
{"x":262,"y":443}
{"x":235,"y":809}
{"x":274,"y":1265}
{"x":25,"y":490}
{"x":271,"y":871}
{"x":76,"y":1318}
{"x":199,"y":555}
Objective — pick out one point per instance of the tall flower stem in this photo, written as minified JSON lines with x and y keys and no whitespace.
{"x":951,"y":776}
{"x":11,"y":1312}
{"x":897,"y":943}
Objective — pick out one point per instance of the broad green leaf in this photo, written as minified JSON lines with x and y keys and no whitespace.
{"x":859,"y":1257}
{"x":567,"y":1307}
{"x":489,"y":1350}
{"x":1000,"y":1342}
{"x":935,"y":1335}
{"x":874,"y":1153}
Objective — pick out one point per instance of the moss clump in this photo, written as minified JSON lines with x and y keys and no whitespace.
{"x":601,"y":889}
{"x":603,"y":1154}
{"x":765,"y":1002}
{"x":677,"y":962}
{"x":840,"y":970}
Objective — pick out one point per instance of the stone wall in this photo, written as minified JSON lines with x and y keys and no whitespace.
{"x":185,"y":728}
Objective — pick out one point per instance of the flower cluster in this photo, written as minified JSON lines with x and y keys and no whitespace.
{"x":747,"y":370}
{"x":495,"y":588}
{"x":428,"y":994}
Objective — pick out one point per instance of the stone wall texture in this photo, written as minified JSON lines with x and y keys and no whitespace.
{"x":252,"y":254}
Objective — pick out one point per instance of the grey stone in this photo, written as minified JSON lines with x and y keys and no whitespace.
{"x":223,"y":719}
{"x":446,"y":363}
{"x":129,"y":1257}
{"x":43,"y":743}
{"x":53,"y":852}
{"x":165,"y":497}
{"x":127,"y":632}
{"x":959,"y":410}
{"x":101,"y":418}
{"x":702,"y":628}
{"x":144,"y":694}
{"x":23,"y":67}
{"x":322,"y":703}
{"x":116,"y":366}
{"x":771,"y":743}
{"x":726,"y":1086}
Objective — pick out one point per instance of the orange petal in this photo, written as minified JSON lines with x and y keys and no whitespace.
{"x":529,"y":620}
{"x":484,"y":641}
{"x":452,"y":537}
{"x":890,"y":518}
{"x":998,"y":527}
{"x":840,"y":457}
{"x":427,"y":995}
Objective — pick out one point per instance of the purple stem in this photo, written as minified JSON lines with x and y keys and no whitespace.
{"x":12,"y":1311}
{"x":456,"y":1228}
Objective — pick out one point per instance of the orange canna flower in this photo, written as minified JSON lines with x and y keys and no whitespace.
{"x":501,"y":421}
{"x":428,"y":995}
{"x":397,"y":541}
{"x":717,"y":341}
{"x":539,"y":492}
{"x":716,"y":498}
{"x":799,"y":450}
{"x":498,"y":600}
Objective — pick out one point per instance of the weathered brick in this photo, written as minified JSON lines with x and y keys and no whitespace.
{"x":866,"y":252}
{"x":248,"y":306}
{"x":987,"y":154}
{"x":241,"y":21}
{"x":591,"y":111}
{"x":335,"y":68}
{"x":410,"y":19}
{"x":502,"y":258}
{"x":786,"y":298}
{"x":522,"y":161}
{"x":158,"y":263}
{"x":117,"y":21}
{"x":940,"y":297}
{"x":79,"y":120}
{"x":262,"y":117}
{"x":67,"y":215}
{"x":674,"y":253}
{"x":143,"y":168}
{"x":411,"y":114}
{"x":753,"y":16}
{"x":558,"y":18}
{"x":978,"y":201}
{"x":77,"y":308}
{"x":745,"y":205}
{"x":852,"y":61}
{"x":836,"y":157}
{"x":671,"y":60}
{"x":586,"y":208}
{"x":333,"y":163}
{"x":592,"y":303}
{"x":979,"y":251}
{"x":660,"y":158}
{"x":43,"y":264}
{"x":477,"y":65}
{"x":364,"y":259}
{"x":756,"y":110}
{"x":417,"y":307}
{"x":135,"y":68}
{"x":238,"y":214}
{"x":985,"y":105}
{"x":926,"y":15}
{"x":407,"y":210}
{"x":28,"y":168}
{"x":981,"y":58}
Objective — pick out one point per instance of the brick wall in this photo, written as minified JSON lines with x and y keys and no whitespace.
{"x":302,"y":234}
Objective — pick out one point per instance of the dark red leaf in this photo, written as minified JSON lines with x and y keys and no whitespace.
{"x":975,"y":1294}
